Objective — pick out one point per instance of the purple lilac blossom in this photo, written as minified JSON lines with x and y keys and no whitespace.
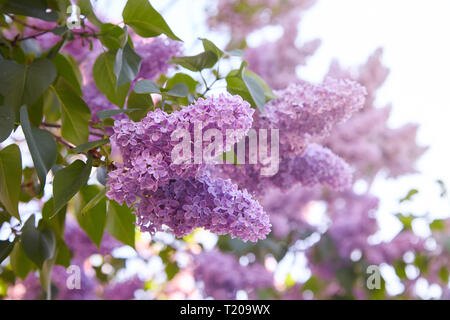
{"x":155,"y":54}
{"x":214,"y":204}
{"x":146,"y":146}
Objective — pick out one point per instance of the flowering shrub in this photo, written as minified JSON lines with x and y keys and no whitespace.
{"x":116,"y":137}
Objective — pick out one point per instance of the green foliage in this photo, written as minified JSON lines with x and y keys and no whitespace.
{"x":250,"y":87}
{"x":10,"y":179}
{"x":127,"y":65}
{"x":39,"y":245}
{"x":145,"y":20}
{"x":90,"y":209}
{"x":120,"y":223}
{"x":42,"y":147}
{"x":20,"y":263}
{"x":75,"y":114}
{"x":69,"y":181}
{"x":23,"y":84}
{"x":106,"y":79}
{"x":7,"y":121}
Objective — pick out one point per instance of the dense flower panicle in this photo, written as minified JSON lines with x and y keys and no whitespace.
{"x":276,"y":62}
{"x":123,"y":290}
{"x":155,"y":54}
{"x":214,"y":204}
{"x":82,"y":247}
{"x":223,"y":276}
{"x":146,"y":147}
{"x":319,"y":166}
{"x":306,"y":110}
{"x":316,"y":166}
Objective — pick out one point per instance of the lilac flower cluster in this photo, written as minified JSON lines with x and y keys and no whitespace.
{"x":303,"y":112}
{"x":366,"y":141}
{"x":146,"y":146}
{"x":306,"y":110}
{"x":155,"y":54}
{"x":214,"y":204}
{"x":222,"y":275}
{"x":182,"y":196}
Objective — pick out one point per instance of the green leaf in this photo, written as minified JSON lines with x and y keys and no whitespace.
{"x":106,"y":79}
{"x":182,"y":78}
{"x":438,"y":225}
{"x":39,"y":245}
{"x":180,"y":90}
{"x":141,"y":104}
{"x":102,"y":175}
{"x":86,"y":9}
{"x":5,"y":249}
{"x":31,"y":8}
{"x":250,"y":87}
{"x":210,"y":46}
{"x":90,"y":145}
{"x":204,"y":60}
{"x":6,"y":122}
{"x":112,"y":37}
{"x":406,"y":220}
{"x":20,"y":263}
{"x":120,"y":223}
{"x":127,"y":65}
{"x":146,"y":86}
{"x":268,"y":93}
{"x":21,"y":84}
{"x":63,"y":254}
{"x":90,"y":210}
{"x":75,"y":114}
{"x":106,"y":114}
{"x":56,"y":223}
{"x":256,"y":91}
{"x":66,"y":69}
{"x":94,"y":201}
{"x":42,"y":147}
{"x":10,"y":179}
{"x":145,"y":20}
{"x":69,"y":181}
{"x":410,"y":195}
